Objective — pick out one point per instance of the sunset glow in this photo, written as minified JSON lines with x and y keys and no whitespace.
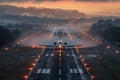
{"x":99,"y":8}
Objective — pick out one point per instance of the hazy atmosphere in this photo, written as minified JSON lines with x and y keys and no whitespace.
{"x":90,"y":7}
{"x":59,"y":39}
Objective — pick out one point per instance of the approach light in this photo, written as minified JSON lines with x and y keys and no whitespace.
{"x":93,"y":76}
{"x":33,"y":64}
{"x":117,"y":52}
{"x":25,"y":77}
{"x":60,"y":46}
{"x":30,"y":69}
{"x":108,"y":47}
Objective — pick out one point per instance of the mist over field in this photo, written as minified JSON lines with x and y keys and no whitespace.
{"x":59,"y":40}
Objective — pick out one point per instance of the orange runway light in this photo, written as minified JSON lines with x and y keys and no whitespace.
{"x":33,"y":64}
{"x":85,"y":64}
{"x":93,"y":77}
{"x":88,"y":69}
{"x":60,"y":46}
{"x":82,"y":59}
{"x":108,"y":47}
{"x":30,"y":69}
{"x":6,"y":49}
{"x":25,"y":77}
{"x":33,"y":46}
{"x":36,"y":59}
{"x":117,"y":52}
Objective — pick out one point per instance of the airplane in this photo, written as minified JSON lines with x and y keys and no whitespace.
{"x":60,"y":33}
{"x":60,"y":44}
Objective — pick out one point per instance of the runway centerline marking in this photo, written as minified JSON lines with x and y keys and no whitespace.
{"x":59,"y":71}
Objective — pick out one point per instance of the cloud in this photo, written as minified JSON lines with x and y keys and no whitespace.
{"x":99,"y":0}
{"x":58,"y":0}
{"x":15,"y":0}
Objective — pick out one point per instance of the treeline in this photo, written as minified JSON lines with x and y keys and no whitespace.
{"x":32,"y":19}
{"x":108,"y":29}
{"x":7,"y":36}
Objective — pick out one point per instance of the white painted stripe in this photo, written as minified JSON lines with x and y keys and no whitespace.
{"x":46,"y":54}
{"x":67,"y":54}
{"x":48,"y":71}
{"x":52,"y":54}
{"x":59,"y":64}
{"x":60,"y":59}
{"x":59,"y":78}
{"x":75,"y":71}
{"x":59,"y":71}
{"x":38,"y":71}
{"x":73,"y":54}
{"x":71,"y":71}
{"x":60,"y":55}
{"x":80,"y":70}
{"x":43,"y":71}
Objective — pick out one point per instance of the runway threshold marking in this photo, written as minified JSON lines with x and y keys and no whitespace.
{"x":43,"y":71}
{"x":73,"y":55}
{"x":80,"y":71}
{"x":59,"y":78}
{"x":46,"y":55}
{"x":48,"y":71}
{"x":71,"y":71}
{"x":74,"y":70}
{"x":38,"y":71}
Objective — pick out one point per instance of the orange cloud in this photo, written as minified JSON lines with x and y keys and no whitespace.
{"x":102,"y":8}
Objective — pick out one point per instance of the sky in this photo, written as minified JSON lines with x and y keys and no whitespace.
{"x":91,"y":7}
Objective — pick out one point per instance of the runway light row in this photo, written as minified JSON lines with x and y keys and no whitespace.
{"x":87,"y":67}
{"x":28,"y":37}
{"x":22,"y":40}
{"x":99,"y":42}
{"x":32,"y":67}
